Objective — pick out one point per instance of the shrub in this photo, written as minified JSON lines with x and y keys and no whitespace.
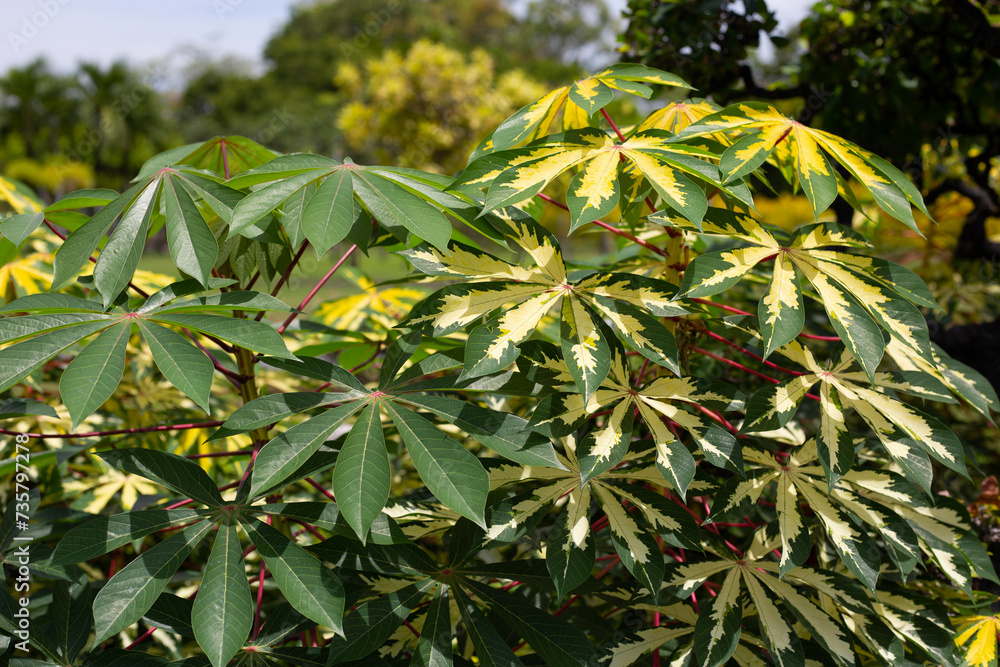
{"x":544,"y":462}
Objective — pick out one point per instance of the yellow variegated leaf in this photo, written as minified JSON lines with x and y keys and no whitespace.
{"x":687,"y":577}
{"x":678,"y":115}
{"x":831,"y":635}
{"x":657,"y":519}
{"x":977,"y":636}
{"x":717,"y":632}
{"x":875,"y":407}
{"x":653,"y":295}
{"x":781,"y":639}
{"x":455,"y":306}
{"x":536,"y":241}
{"x":575,"y":103}
{"x":795,"y":545}
{"x":466,"y":262}
{"x":629,"y":649}
{"x":853,"y":544}
{"x":624,"y":526}
{"x":594,"y":192}
{"x":20,"y":202}
{"x":492,"y":346}
{"x":506,"y":474}
{"x":781,"y":313}
{"x":578,"y":515}
{"x":525,"y":509}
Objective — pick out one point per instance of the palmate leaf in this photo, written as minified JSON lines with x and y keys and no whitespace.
{"x":630,"y":304}
{"x":191,"y":243}
{"x":900,"y":427}
{"x":516,"y":175}
{"x":855,"y":291}
{"x":330,"y":213}
{"x":764,"y":128}
{"x":57,"y":321}
{"x":660,"y":398}
{"x":576,"y":103}
{"x":717,"y":632}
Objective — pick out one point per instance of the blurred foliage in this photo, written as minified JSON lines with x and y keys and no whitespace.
{"x":428,"y":108}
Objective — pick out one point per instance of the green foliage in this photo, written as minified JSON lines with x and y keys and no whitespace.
{"x":542,"y":462}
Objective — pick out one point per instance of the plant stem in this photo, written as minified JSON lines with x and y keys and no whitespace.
{"x":316,"y":288}
{"x":121,"y":431}
{"x":285,"y":275}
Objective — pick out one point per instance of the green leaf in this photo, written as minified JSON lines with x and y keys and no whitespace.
{"x":92,"y":377}
{"x":171,"y":613}
{"x":271,"y":409}
{"x":491,"y":649}
{"x":248,"y":334}
{"x":556,"y":641}
{"x":372,"y":623}
{"x":192,"y":245}
{"x":22,"y":359}
{"x":12,"y":408}
{"x":331,"y":212}
{"x":434,"y":645}
{"x":72,"y":615}
{"x":17,"y":228}
{"x":120,"y":256}
{"x":310,"y":587}
{"x":362,"y":478}
{"x":16,"y":328}
{"x":396,"y":206}
{"x":52,"y":303}
{"x":127,"y":595}
{"x":396,"y":355}
{"x":258,"y":204}
{"x":177,"y":473}
{"x":506,"y":434}
{"x":226,"y":301}
{"x":102,"y":534}
{"x":185,"y":366}
{"x":286,"y":453}
{"x":324,"y":371}
{"x":222,"y":615}
{"x":450,"y":471}
{"x":78,"y":246}
{"x":717,"y":632}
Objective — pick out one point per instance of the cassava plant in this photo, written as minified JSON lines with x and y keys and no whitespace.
{"x":680,"y":452}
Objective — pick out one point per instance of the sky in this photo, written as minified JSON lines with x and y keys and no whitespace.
{"x":172,"y":31}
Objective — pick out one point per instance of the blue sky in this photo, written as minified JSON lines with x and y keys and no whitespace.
{"x":175,"y":31}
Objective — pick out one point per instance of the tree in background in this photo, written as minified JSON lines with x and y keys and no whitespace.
{"x":427,"y":108}
{"x":56,"y":126}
